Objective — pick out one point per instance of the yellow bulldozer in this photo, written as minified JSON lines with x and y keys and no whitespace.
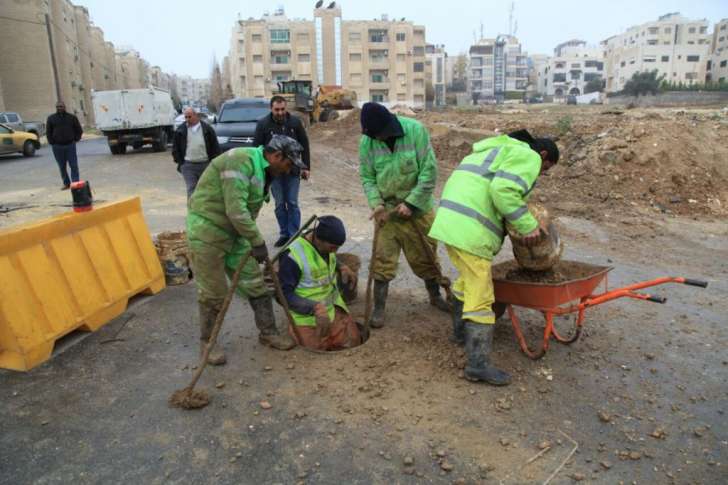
{"x":321,"y":106}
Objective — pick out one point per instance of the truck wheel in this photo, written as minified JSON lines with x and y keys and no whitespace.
{"x":28,"y":149}
{"x":161,"y":144}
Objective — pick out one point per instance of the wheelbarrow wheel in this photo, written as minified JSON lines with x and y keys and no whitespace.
{"x":499,"y":309}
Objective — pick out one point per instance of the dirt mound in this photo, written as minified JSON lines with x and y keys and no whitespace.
{"x":562,"y":272}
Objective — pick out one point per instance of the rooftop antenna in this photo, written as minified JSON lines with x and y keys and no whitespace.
{"x":510,"y":18}
{"x":481,"y":29}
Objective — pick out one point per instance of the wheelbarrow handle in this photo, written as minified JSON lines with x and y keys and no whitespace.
{"x":656,"y":299}
{"x":692,"y":282}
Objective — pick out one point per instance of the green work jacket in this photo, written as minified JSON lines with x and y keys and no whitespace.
{"x":318,"y":281}
{"x":227,"y":199}
{"x":489,"y":186}
{"x":408,"y":174}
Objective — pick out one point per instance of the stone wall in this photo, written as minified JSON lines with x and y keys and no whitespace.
{"x":674,"y":98}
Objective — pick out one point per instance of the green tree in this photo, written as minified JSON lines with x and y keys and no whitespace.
{"x":645,"y":82}
{"x":594,"y":86}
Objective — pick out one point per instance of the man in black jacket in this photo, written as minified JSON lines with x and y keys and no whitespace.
{"x":193,"y":147}
{"x":285,"y":187}
{"x":63,"y":131}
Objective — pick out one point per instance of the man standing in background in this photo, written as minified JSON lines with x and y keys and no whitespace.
{"x":63,"y":131}
{"x":285,"y":187}
{"x":193,"y":147}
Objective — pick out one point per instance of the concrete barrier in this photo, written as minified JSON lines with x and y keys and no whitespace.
{"x":72,"y":271}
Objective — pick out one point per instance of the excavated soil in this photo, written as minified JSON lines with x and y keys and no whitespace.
{"x":562,"y":272}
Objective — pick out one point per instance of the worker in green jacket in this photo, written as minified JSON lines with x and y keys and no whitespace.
{"x":398,"y":171}
{"x":487,"y":190}
{"x":221,"y":230}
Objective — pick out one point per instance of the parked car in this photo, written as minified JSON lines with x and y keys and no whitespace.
{"x":14,"y":121}
{"x":571,"y":99}
{"x":235,"y":126}
{"x":16,"y":141}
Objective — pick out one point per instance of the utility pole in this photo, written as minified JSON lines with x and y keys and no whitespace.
{"x":53,"y":57}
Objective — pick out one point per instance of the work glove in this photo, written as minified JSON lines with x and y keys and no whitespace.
{"x":323,"y":324}
{"x":380,"y":215}
{"x":260,"y":253}
{"x":348,"y":277}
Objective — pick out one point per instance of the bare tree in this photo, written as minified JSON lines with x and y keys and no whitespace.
{"x":216,"y":92}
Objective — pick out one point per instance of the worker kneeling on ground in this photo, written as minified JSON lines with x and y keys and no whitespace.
{"x":398,"y":171}
{"x":308,"y":275}
{"x":221,"y":230}
{"x":489,"y":187}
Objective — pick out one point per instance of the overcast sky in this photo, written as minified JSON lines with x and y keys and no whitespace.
{"x":181,"y":36}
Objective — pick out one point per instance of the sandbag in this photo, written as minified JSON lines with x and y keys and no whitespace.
{"x":547,"y":251}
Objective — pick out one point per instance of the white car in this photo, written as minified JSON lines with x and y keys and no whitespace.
{"x":207,"y":118}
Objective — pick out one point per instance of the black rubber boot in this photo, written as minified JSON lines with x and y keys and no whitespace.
{"x":433,"y":289}
{"x":208,"y":315}
{"x":478,"y":346}
{"x":265,"y":320}
{"x":381,"y":289}
{"x":458,"y":325}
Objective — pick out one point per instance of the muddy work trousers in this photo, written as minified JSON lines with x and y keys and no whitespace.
{"x":474,"y":286}
{"x":400,"y":235}
{"x":344,"y":334}
{"x":212,"y":266}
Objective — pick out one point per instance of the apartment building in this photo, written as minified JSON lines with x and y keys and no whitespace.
{"x":572,"y":67}
{"x":675,"y":46}
{"x":50,"y":50}
{"x":435,"y":73}
{"x":718,"y":66}
{"x":382,"y":60}
{"x":498,"y":69}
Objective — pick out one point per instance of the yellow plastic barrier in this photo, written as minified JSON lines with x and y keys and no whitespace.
{"x":72,"y":271}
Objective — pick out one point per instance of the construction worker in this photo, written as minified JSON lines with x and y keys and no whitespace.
{"x":488,"y":189}
{"x":221,"y":230}
{"x":398,"y":171}
{"x":308,"y":275}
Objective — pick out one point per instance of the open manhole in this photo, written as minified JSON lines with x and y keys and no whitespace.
{"x":346,"y":335}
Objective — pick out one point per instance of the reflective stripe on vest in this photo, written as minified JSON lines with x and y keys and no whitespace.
{"x":473,"y":214}
{"x":307,"y":280}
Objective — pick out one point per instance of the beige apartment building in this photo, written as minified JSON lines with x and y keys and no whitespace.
{"x":497,"y":69}
{"x":677,"y":47}
{"x":50,"y":50}
{"x":382,"y":60}
{"x":718,"y":69}
{"x":435,"y":74}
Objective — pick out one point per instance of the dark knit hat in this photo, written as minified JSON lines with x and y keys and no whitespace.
{"x":378,"y":122}
{"x":331,"y":230}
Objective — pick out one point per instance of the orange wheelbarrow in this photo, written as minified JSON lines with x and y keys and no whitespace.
{"x":560,"y":299}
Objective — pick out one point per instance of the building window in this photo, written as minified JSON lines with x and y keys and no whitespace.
{"x":649,"y":59}
{"x":668,"y":30}
{"x":653,"y":30}
{"x":354,"y":57}
{"x":401,"y":97}
{"x":419,"y":83}
{"x":652,"y":42}
{"x":378,"y":55}
{"x":691,"y":30}
{"x":379,"y":96}
{"x":280,"y":57}
{"x":379,"y":77}
{"x":476,"y":73}
{"x":257,"y":38}
{"x":355,"y":79}
{"x":280,"y":36}
{"x":302,"y":37}
{"x":559,"y":77}
{"x":354,"y":36}
{"x":665,"y":58}
{"x":723,"y":63}
{"x":257,"y":58}
{"x":693,"y":58}
{"x":401,"y":58}
{"x":400,"y":37}
{"x":598,"y":64}
{"x":281,"y":76}
{"x":590,"y":76}
{"x":691,"y":76}
{"x":560,"y":65}
{"x":576,"y":65}
{"x":703,"y":30}
{"x":378,"y":35}
{"x":575,"y":75}
{"x":419,"y":67}
{"x":304,"y":57}
{"x":418,"y":51}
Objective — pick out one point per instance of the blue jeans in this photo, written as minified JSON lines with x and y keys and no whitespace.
{"x":285,"y":192}
{"x":192,"y":172}
{"x":66,"y":155}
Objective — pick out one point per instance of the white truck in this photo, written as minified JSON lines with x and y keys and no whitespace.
{"x":135,"y":117}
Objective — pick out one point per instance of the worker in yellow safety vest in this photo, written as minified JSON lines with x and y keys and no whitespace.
{"x":488,"y":189}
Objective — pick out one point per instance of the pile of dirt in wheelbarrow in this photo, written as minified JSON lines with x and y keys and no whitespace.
{"x":562,"y":272}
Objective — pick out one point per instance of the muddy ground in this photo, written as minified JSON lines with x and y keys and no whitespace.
{"x":642,"y":396}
